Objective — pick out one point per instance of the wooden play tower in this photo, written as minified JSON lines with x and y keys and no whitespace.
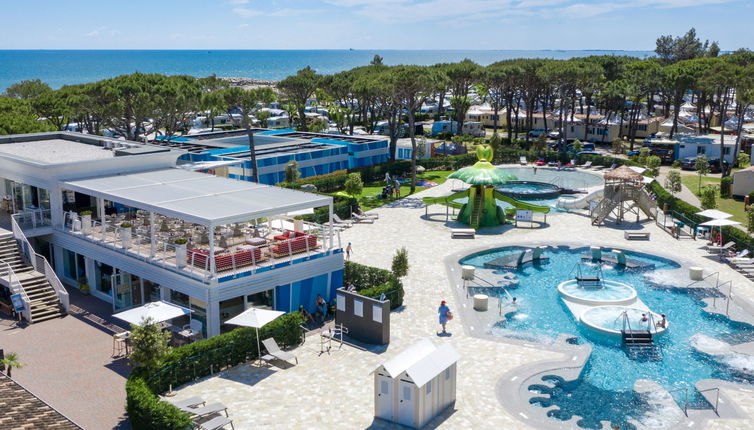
{"x":624,"y":194}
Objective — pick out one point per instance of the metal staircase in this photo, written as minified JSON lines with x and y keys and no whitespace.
{"x":639,"y":342}
{"x":40,"y":297}
{"x":603,"y":209}
{"x":476,"y":212}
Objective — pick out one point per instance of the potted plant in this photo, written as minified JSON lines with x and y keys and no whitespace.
{"x":125,"y":234}
{"x":10,"y":361}
{"x":180,"y":252}
{"x":86,"y":221}
{"x":84,"y":286}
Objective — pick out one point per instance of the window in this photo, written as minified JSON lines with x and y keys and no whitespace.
{"x":727,"y":151}
{"x":701,"y":150}
{"x":384,"y":388}
{"x":358,"y":308}
{"x":429,"y":387}
{"x":447,"y":373}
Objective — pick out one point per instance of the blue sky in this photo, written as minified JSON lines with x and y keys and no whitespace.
{"x":370,"y":24}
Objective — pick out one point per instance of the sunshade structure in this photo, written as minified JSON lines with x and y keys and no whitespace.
{"x":481,"y":209}
{"x":255,"y":317}
{"x":720,"y":222}
{"x":196,"y":197}
{"x":714,"y":214}
{"x":623,"y":174}
{"x":157,"y":311}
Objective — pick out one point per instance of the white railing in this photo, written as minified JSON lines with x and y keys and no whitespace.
{"x":10,"y":280}
{"x":33,"y":218}
{"x":195,"y":263}
{"x":41,"y":265}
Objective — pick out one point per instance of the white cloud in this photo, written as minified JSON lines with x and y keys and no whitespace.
{"x":246,"y":12}
{"x":282,"y":12}
{"x":243,"y":25}
{"x":239,"y":1}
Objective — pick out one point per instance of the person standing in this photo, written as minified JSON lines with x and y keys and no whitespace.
{"x":397,"y":189}
{"x":349,"y":250}
{"x":445,"y":314}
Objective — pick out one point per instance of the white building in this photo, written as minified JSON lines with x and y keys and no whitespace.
{"x":416,"y":385}
{"x":109,"y":213}
{"x":404,"y":149}
{"x":693,"y":145}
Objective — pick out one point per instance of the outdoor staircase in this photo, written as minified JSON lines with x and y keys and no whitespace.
{"x":476,"y":213}
{"x":603,"y":209}
{"x":45,"y":303}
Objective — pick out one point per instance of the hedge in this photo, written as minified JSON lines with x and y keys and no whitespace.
{"x":197,"y":360}
{"x":741,"y":238}
{"x":372,"y":282}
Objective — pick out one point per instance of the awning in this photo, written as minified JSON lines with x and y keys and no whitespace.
{"x":157,"y":311}
{"x":197,"y":197}
{"x":714,"y":214}
{"x":720,"y":222}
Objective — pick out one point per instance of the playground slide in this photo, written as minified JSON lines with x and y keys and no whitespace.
{"x":582,"y":201}
{"x":518,"y":204}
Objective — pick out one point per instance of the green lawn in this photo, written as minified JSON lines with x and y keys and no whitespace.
{"x":368,"y":198}
{"x":731,"y":206}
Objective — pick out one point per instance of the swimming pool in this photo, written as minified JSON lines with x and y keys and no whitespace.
{"x":609,"y":375}
{"x":528,"y":190}
{"x":563,"y":178}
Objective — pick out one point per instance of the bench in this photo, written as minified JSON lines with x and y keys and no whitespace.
{"x":462,"y":232}
{"x":632,"y":235}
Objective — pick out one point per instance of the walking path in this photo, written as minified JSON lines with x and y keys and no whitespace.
{"x":335,"y":390}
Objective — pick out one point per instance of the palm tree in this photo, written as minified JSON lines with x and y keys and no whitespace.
{"x":10,"y":361}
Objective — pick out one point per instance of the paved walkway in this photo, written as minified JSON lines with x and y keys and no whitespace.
{"x":336,"y":390}
{"x":68,"y":363}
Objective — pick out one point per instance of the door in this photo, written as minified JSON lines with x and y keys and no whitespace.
{"x":406,"y":403}
{"x":384,"y":397}
{"x":121,"y":285}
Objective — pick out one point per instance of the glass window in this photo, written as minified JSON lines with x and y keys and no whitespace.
{"x":104,"y":276}
{"x":264,"y":300}
{"x":69,"y":264}
{"x":429,"y":387}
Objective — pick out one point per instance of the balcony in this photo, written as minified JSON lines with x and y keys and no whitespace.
{"x":235,"y":250}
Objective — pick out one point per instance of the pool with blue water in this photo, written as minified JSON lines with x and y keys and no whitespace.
{"x":608,"y":378}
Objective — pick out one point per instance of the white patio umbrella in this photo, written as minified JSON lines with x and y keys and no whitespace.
{"x":158,"y":311}
{"x":714,"y":214}
{"x":719,"y":223}
{"x":255,"y":317}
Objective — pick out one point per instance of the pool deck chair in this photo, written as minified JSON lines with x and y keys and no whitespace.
{"x":345,"y":223}
{"x":274,"y":352}
{"x":190,"y":402}
{"x":721,"y":249}
{"x":522,"y":161}
{"x":586,"y":165}
{"x":369,"y":214}
{"x":210,"y":409}
{"x":359,"y":218}
{"x":216,"y":423}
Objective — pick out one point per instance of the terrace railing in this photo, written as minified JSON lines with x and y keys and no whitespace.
{"x":9,"y":279}
{"x":33,"y":219}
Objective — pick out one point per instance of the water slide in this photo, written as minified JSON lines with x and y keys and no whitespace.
{"x":518,"y":204}
{"x":581,"y":202}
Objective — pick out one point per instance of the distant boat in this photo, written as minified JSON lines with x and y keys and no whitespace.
{"x":350,"y":49}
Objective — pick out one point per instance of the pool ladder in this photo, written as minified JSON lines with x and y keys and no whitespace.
{"x":639,"y":343}
{"x":587,"y":281}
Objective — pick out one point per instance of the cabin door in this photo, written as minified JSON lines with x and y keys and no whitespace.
{"x":384,"y":397}
{"x":406,"y":403}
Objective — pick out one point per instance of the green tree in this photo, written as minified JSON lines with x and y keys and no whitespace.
{"x":653,"y":165}
{"x":16,"y":117}
{"x":27,"y":89}
{"x":617,"y":146}
{"x":291,"y":172}
{"x":262,"y":116}
{"x":673,"y":182}
{"x":708,"y":197}
{"x":643,"y":155}
{"x":318,"y":125}
{"x":674,"y":49}
{"x":701,"y":164}
{"x":461,"y":76}
{"x":354,"y":184}
{"x":743,"y":160}
{"x":10,"y":361}
{"x":149,"y":344}
{"x":750,"y":218}
{"x":298,"y":89}
{"x":212,"y":104}
{"x":399,"y":267}
{"x":577,"y":146}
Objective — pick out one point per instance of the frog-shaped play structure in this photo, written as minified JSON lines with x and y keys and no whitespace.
{"x":481,"y":209}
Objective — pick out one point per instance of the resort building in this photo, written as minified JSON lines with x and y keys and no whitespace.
{"x":226,"y":153}
{"x":425,"y":148}
{"x":118,"y":219}
{"x":598,"y":130}
{"x":692,"y":145}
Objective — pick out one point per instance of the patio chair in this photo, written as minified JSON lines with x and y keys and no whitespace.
{"x":345,"y":223}
{"x":216,"y":423}
{"x":720,"y":249}
{"x":522,"y":160}
{"x":274,"y":352}
{"x":361,"y":219}
{"x":201,"y":411}
{"x":586,"y":165}
{"x":190,"y":402}
{"x":368,"y":214}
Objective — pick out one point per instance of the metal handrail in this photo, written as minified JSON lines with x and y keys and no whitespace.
{"x":15,"y":287}
{"x":717,"y":398}
{"x":717,"y":281}
{"x":686,"y":398}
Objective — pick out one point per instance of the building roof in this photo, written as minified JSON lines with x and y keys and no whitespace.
{"x":197,"y":197}
{"x":624,"y":173}
{"x":23,"y":410}
{"x":422,"y":361}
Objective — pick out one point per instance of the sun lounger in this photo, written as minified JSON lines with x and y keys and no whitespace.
{"x":210,"y":409}
{"x":345,"y":223}
{"x":274,"y":351}
{"x":216,"y":423}
{"x":358,"y":218}
{"x":721,"y":249}
{"x":586,"y":165}
{"x":190,"y":402}
{"x":370,"y":214}
{"x":598,"y":167}
{"x":522,"y":161}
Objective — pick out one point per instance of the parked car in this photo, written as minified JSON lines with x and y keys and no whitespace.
{"x":536,"y":132}
{"x":689,"y":163}
{"x":633,"y":153}
{"x":588,"y":153}
{"x":554,"y":135}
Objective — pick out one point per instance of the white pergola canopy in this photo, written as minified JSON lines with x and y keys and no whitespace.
{"x":197,"y":197}
{"x":714,"y":214}
{"x":158,"y":311}
{"x":720,"y":222}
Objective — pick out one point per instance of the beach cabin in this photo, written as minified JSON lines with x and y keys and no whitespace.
{"x":472,"y":128}
{"x":743,"y":182}
{"x":278,"y":122}
{"x":416,"y":385}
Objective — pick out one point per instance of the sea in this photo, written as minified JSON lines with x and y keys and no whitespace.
{"x":65,"y":67}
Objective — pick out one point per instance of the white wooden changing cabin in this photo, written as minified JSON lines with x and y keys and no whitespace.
{"x":416,"y":385}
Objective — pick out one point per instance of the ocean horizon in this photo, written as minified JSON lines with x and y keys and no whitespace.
{"x":67,"y":67}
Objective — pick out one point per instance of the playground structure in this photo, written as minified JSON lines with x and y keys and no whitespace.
{"x":481,"y":209}
{"x":623,"y":194}
{"x":581,"y":202}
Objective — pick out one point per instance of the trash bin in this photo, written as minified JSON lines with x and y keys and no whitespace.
{"x":696,"y":273}
{"x":480,"y":302}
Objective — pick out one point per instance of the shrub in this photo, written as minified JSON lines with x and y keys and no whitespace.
{"x":708,"y":197}
{"x":354,"y":185}
{"x":653,"y":165}
{"x":743,"y":160}
{"x":750,"y":218}
{"x":150,"y":344}
{"x":400,"y":263}
{"x":725,"y":186}
{"x":673,"y":182}
{"x":291,"y":172}
{"x":372,"y":282}
{"x":751,"y":197}
{"x":85,"y":213}
{"x":147,"y":411}
{"x":676,"y":164}
{"x":617,"y":146}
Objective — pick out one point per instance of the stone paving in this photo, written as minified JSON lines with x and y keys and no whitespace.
{"x":336,"y":390}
